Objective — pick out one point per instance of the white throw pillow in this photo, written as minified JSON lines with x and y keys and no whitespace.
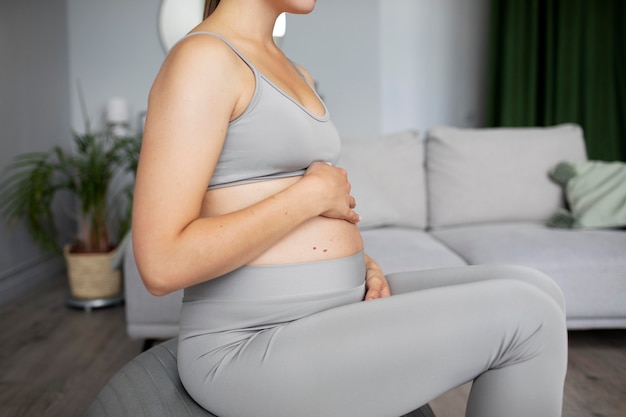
{"x":497,"y":174}
{"x":387,"y":177}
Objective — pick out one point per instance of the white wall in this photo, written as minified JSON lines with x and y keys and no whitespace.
{"x":34,"y":116}
{"x":339,"y":44}
{"x":388,"y":65}
{"x":114,"y":52}
{"x":433,"y":60}
{"x":381,"y":65}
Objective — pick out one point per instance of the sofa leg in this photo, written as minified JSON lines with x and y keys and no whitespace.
{"x":148,"y":343}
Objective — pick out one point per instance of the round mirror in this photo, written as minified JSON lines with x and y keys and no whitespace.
{"x":177,"y":17}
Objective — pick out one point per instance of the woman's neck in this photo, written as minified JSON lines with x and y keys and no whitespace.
{"x":249,"y":21}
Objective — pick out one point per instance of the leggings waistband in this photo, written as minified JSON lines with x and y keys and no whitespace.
{"x":263,"y":281}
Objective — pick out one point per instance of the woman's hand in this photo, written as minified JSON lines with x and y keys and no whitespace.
{"x":376,"y":285}
{"x":334,"y":194}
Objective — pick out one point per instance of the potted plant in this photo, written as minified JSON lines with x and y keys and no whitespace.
{"x":33,"y":181}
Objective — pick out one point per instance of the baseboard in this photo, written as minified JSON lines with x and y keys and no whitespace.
{"x":23,"y":278}
{"x":591,"y":323}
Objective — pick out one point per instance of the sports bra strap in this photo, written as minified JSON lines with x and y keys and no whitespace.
{"x":230,"y":45}
{"x":242,"y":56}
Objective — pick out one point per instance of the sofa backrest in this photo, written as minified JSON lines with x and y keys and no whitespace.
{"x":387,"y":177}
{"x":497,"y":174}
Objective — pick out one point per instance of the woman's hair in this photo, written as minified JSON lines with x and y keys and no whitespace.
{"x":209,"y":7}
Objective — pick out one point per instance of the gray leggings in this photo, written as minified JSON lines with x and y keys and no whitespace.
{"x":296,"y":340}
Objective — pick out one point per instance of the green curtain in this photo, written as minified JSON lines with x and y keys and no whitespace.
{"x":557,"y":61}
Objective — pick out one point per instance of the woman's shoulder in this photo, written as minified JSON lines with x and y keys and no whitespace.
{"x":202,"y":48}
{"x":200,"y":70}
{"x":200,"y":62}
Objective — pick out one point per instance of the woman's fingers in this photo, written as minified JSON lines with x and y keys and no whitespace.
{"x":338,"y":200}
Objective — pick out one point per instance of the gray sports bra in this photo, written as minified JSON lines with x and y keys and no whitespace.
{"x":275,"y":137}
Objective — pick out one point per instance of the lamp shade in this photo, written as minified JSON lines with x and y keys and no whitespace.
{"x":117,"y":111}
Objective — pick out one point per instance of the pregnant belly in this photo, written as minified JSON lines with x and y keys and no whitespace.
{"x":318,"y":239}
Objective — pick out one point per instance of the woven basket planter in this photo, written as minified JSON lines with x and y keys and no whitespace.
{"x":91,"y":276}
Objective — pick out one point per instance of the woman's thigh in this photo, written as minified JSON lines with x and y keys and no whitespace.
{"x":389,"y":356}
{"x":402,"y":282}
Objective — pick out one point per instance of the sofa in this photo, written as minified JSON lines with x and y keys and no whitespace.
{"x":452,"y":197}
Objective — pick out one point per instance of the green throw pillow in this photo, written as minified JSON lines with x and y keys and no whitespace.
{"x":595,"y":193}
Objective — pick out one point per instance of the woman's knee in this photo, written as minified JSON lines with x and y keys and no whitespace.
{"x":535,"y":309}
{"x":525,"y":309}
{"x":531,"y":276}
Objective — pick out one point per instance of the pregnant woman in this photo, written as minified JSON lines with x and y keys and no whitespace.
{"x":238,"y":201}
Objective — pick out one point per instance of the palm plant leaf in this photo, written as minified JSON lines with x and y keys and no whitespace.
{"x":32,"y":180}
{"x":28,"y":194}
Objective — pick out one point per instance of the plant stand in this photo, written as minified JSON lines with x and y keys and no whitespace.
{"x":89,"y":305}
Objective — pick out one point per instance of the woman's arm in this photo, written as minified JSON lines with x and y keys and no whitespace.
{"x":190,"y":105}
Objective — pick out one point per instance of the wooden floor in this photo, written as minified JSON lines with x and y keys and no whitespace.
{"x":54,"y":360}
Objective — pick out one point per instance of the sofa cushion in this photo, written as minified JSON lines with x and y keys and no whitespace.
{"x":588,"y":265}
{"x":387,"y":177}
{"x":491,"y":175}
{"x":398,"y":249}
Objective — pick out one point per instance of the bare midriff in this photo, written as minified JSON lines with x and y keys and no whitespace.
{"x":319,"y":238}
